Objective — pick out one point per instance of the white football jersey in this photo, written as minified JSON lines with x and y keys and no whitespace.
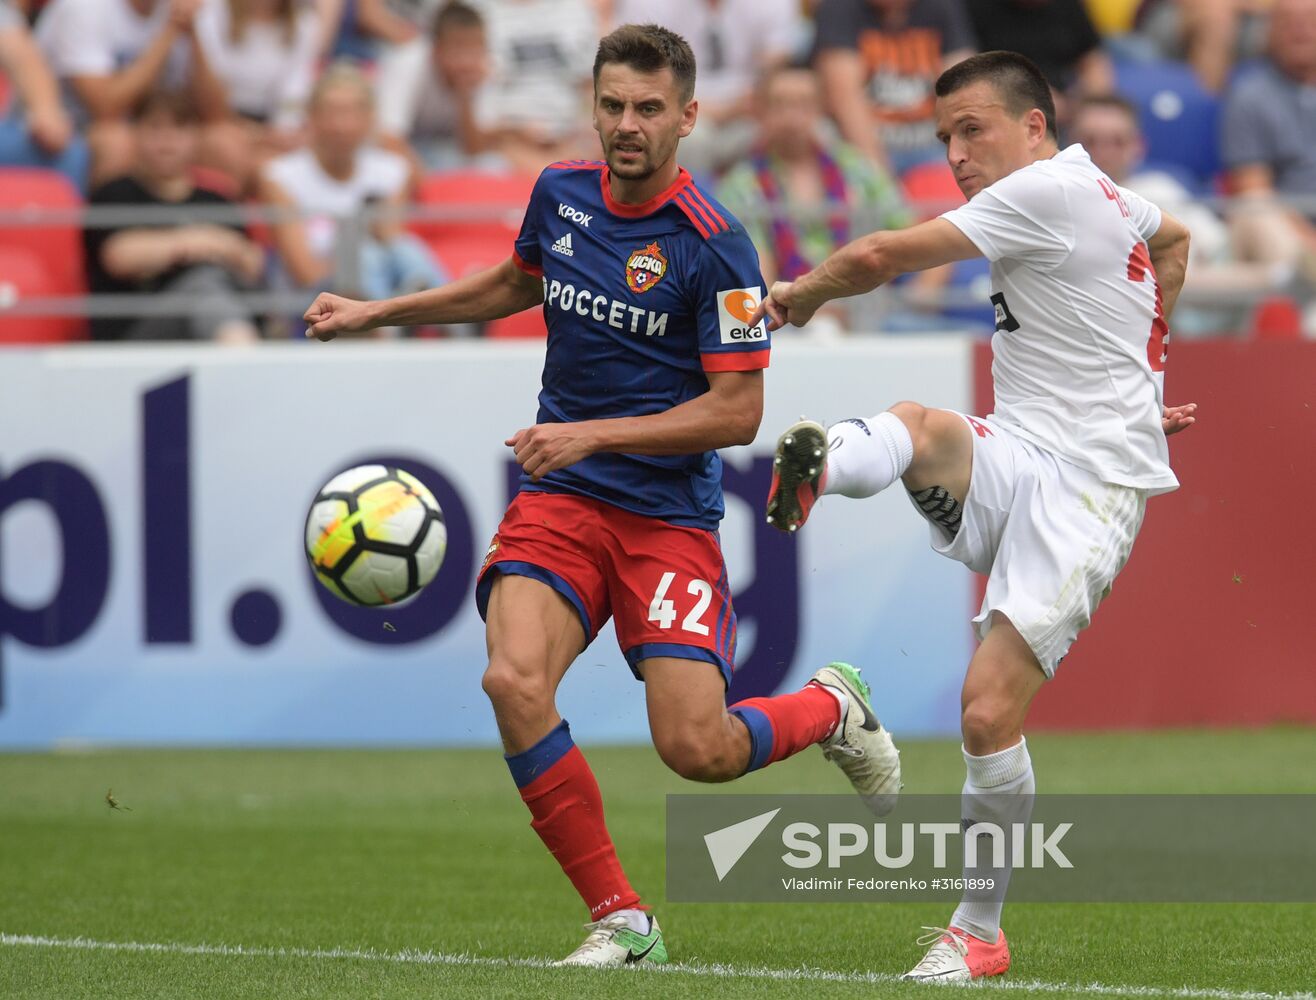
{"x":1079,"y":350}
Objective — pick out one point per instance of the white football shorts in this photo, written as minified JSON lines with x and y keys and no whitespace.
{"x":1049,"y":536}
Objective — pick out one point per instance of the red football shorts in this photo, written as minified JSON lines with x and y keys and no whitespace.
{"x":664,"y":585}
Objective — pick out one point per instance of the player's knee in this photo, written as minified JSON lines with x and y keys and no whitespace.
{"x":988,"y":724}
{"x":510,"y":687}
{"x":695,"y":758}
{"x":912,"y":415}
{"x":920,"y":423}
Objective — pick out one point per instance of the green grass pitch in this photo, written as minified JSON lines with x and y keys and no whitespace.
{"x":415,"y":874}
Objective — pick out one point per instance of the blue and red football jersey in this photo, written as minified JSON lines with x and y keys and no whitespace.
{"x":640,"y":302}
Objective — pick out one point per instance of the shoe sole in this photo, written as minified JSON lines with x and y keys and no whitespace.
{"x":799,"y":460}
{"x":944,"y":977}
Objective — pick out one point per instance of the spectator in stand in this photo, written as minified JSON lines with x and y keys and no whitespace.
{"x":335,"y":178}
{"x":1057,"y":35}
{"x":800,"y":194}
{"x":1108,"y":128}
{"x":38,"y":131}
{"x":1212,"y":36}
{"x":403,"y":70}
{"x":734,"y":41}
{"x":264,"y":53}
{"x":202,"y":262}
{"x":109,"y":54}
{"x":535,"y":107}
{"x":431,"y":104}
{"x":364,"y":27}
{"x":1268,"y":141}
{"x":878,"y":60}
{"x":331,"y":14}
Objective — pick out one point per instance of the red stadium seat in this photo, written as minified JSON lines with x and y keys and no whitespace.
{"x":1277,"y":318}
{"x":57,"y":246}
{"x":24,"y":275}
{"x":487,"y":211}
{"x":480,"y":201}
{"x":466,"y":254}
{"x":525,"y":325}
{"x":931,"y":189}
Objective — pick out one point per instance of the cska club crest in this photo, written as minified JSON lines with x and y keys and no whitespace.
{"x":645,"y":268}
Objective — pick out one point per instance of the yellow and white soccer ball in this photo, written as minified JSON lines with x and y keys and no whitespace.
{"x":375,"y":535}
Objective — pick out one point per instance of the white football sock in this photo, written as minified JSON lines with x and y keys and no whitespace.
{"x":999,"y":789}
{"x":637,"y":920}
{"x":866,"y":456}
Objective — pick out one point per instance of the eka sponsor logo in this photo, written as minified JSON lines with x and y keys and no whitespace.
{"x":735,"y":309}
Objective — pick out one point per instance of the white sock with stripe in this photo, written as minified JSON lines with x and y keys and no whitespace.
{"x":999,"y":789}
{"x":867,"y":455}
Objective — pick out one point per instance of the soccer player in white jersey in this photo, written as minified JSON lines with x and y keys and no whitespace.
{"x":1045,"y":495}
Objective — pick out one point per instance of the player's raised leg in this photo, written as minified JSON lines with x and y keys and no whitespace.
{"x":533,"y":635}
{"x":1002,"y":679}
{"x":930,"y":450}
{"x":701,"y":739}
{"x":676,"y":624}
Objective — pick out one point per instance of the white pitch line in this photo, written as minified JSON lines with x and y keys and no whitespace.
{"x":418,"y":957}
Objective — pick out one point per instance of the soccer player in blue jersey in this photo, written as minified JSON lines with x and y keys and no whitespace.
{"x":647,"y":286}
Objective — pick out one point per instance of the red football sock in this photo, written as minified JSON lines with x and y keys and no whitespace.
{"x":567,"y":807}
{"x":786,"y":724}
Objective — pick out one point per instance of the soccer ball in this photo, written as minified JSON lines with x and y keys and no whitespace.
{"x":375,"y":535}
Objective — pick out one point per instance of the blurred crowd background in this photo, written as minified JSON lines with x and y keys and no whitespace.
{"x":196,"y":169}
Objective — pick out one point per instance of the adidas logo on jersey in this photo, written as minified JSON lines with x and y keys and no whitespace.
{"x":563,"y":246}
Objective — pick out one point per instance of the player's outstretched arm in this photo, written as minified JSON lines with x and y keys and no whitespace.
{"x":491,"y":294}
{"x":1168,"y":249}
{"x":728,"y":414}
{"x":862,"y":265}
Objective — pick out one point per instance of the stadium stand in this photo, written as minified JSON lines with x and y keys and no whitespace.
{"x":42,"y":259}
{"x":1180,"y":117}
{"x":930,"y":188}
{"x":469,"y":213}
{"x":484,"y":216}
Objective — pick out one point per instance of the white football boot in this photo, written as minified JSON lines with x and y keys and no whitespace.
{"x":956,"y":956}
{"x":612,"y":942}
{"x":859,"y":745}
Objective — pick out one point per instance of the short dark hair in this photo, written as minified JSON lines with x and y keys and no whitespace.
{"x":176,"y":104}
{"x":1016,"y":78}
{"x":649,"y":48}
{"x":456,"y":14}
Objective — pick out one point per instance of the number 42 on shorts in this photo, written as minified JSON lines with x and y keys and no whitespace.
{"x":663,"y":611}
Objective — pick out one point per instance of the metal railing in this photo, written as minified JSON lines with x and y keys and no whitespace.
{"x":352,"y":230}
